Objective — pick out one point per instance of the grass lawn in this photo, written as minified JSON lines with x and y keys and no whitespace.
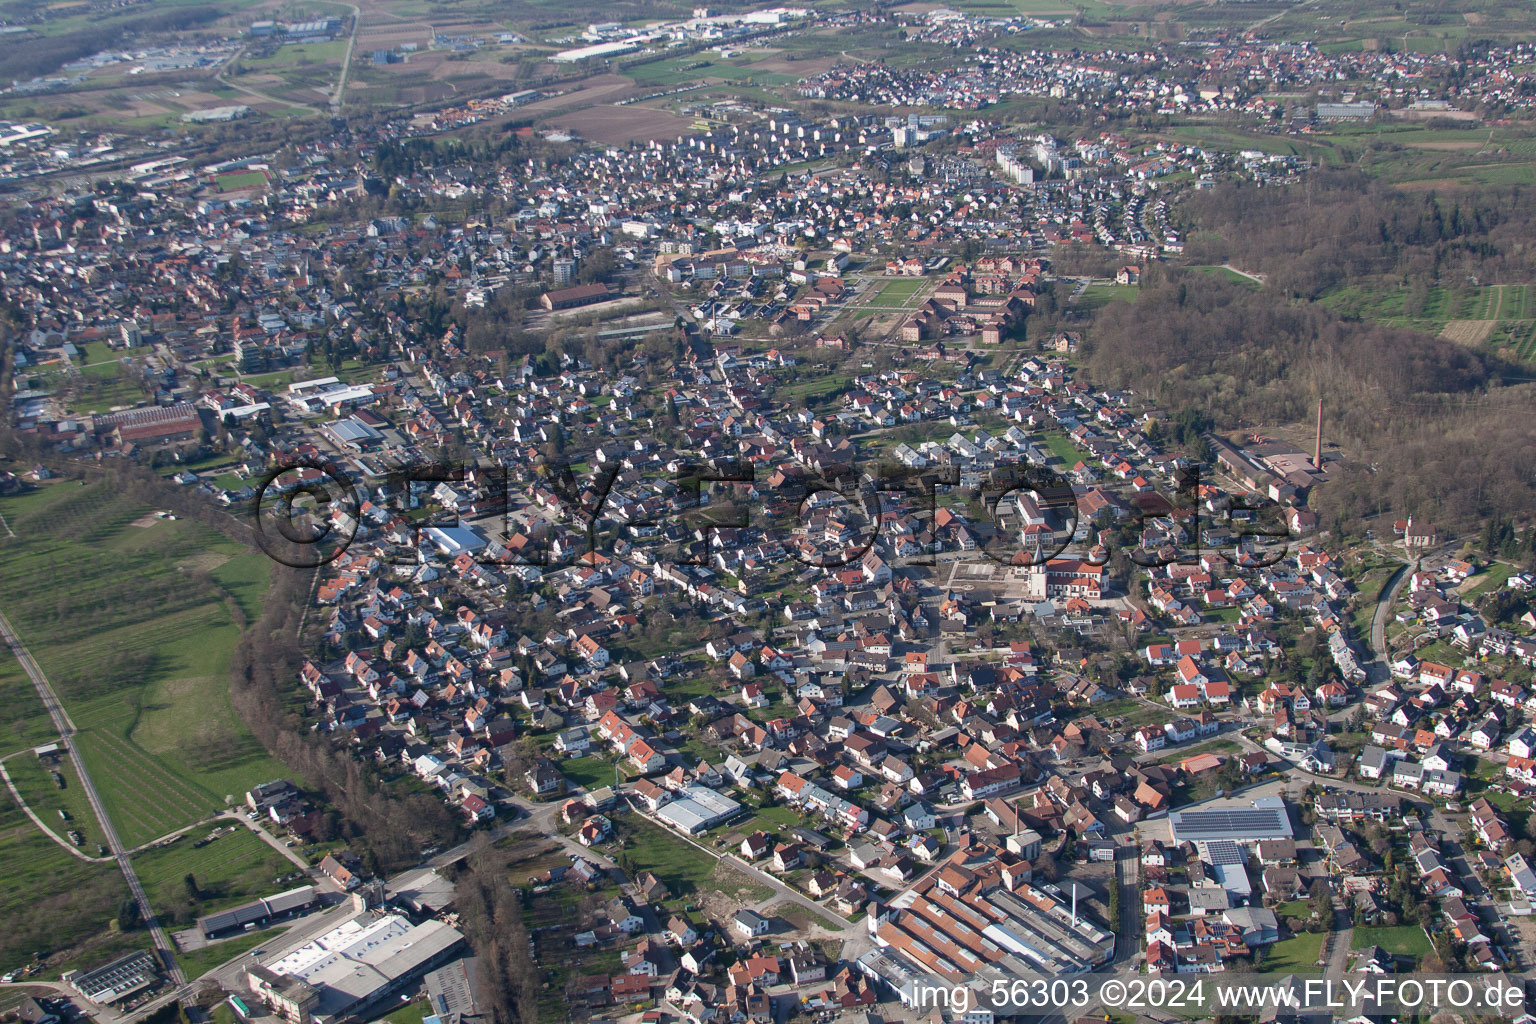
{"x":812,"y":386}
{"x":1370,"y":584}
{"x":38,"y":791}
{"x":781,"y":815}
{"x":1229,"y":276}
{"x":1405,"y":939}
{"x":101,"y":394}
{"x":244,"y":179}
{"x":682,"y":867}
{"x":201,"y":961}
{"x":150,"y":692}
{"x":589,"y":772}
{"x":350,"y":372}
{"x":799,"y":915}
{"x":300,"y":53}
{"x":1064,"y":449}
{"x":233,"y":869}
{"x":896,"y":292}
{"x":1298,"y":953}
{"x":245,"y":577}
{"x":1491,"y":579}
{"x":410,"y":1013}
{"x":1505,"y":803}
{"x":96,"y":352}
{"x":101,"y":371}
{"x":200,"y":466}
{"x":1096,"y":296}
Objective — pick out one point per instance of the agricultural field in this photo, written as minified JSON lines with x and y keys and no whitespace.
{"x":52,"y":901}
{"x":614,"y":124}
{"x":163,"y":602}
{"x":700,"y":67}
{"x":23,"y":721}
{"x":1500,"y":315}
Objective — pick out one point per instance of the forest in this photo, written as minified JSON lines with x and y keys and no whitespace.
{"x":1427,"y":426}
{"x":1339,"y":227}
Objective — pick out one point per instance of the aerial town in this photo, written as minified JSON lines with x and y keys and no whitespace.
{"x":487,"y":559}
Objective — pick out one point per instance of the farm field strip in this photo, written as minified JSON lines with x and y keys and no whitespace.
{"x":152,"y":823}
{"x":190,"y":797}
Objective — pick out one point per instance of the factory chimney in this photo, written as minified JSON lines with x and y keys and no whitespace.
{"x":1317,"y":458}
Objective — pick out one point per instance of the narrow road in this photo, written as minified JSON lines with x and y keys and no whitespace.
{"x":1255,"y":278}
{"x":50,"y":833}
{"x":1128,"y":874}
{"x":1383,"y":607}
{"x":1339,"y":940}
{"x":230,"y":816}
{"x":66,"y":728}
{"x":346,"y":62}
{"x":277,"y":100}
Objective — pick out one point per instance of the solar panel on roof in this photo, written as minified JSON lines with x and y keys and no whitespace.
{"x":1224,"y":852}
{"x":1235,"y":823}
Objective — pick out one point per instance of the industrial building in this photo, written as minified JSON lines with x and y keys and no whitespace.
{"x":328,"y":393}
{"x":263,"y":911}
{"x":352,"y":968}
{"x":1240,"y":821}
{"x":423,"y":891}
{"x":1346,"y":111}
{"x":570,"y":298}
{"x":352,"y":434}
{"x":155,"y":424}
{"x":113,"y":982}
{"x":454,"y":992}
{"x":452,"y":541}
{"x":979,"y":918}
{"x":596,"y":50}
{"x":697,"y":809}
{"x":233,"y":112}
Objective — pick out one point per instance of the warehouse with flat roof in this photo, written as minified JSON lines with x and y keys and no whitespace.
{"x":272,"y":908}
{"x":353,"y":967}
{"x":697,"y":809}
{"x":1239,"y":821}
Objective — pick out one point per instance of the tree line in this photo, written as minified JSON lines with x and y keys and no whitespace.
{"x":491,"y":916}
